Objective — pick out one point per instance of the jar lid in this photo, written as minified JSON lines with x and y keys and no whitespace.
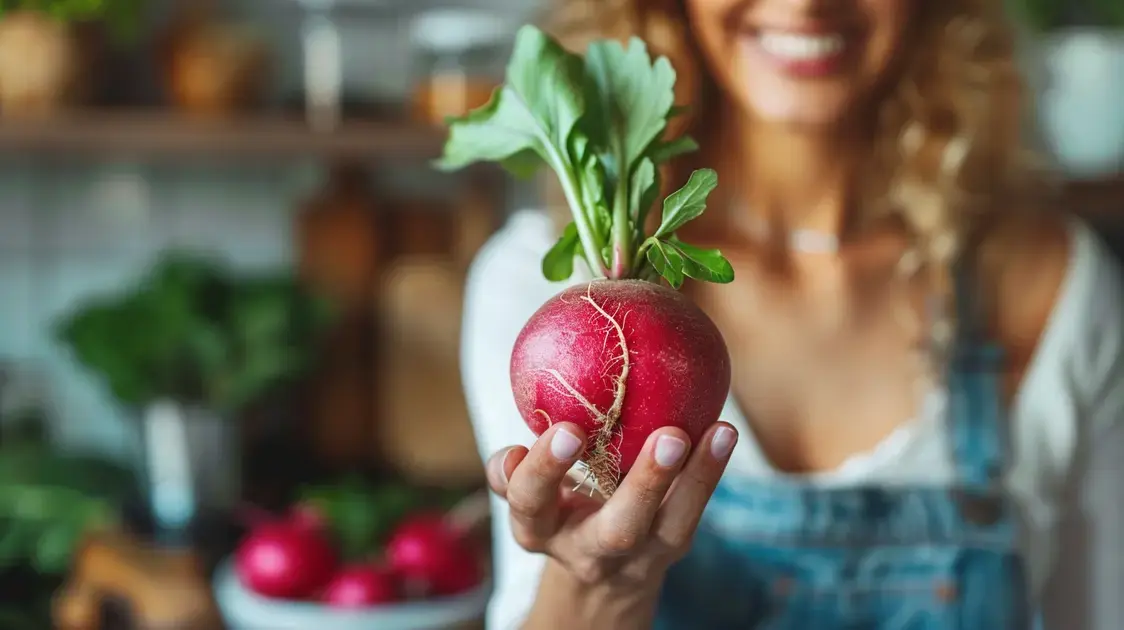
{"x":454,"y":30}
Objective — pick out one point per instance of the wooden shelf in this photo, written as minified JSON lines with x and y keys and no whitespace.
{"x":158,"y":134}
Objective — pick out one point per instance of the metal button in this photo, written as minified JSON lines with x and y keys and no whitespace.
{"x":946,"y":592}
{"x":979,"y":510}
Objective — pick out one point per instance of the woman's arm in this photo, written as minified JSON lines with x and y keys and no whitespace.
{"x":1086,"y":588}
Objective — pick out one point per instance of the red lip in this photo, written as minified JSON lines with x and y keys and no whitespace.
{"x":806,"y":68}
{"x":797,"y":68}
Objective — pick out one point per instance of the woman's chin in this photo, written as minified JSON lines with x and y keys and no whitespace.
{"x":803,"y":111}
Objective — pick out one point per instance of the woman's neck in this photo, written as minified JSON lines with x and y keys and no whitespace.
{"x":795,"y":180}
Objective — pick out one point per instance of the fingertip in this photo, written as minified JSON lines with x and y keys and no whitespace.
{"x":674,"y":432}
{"x":568,"y":427}
{"x":723,"y":438}
{"x":502,"y":465}
{"x":668,"y":446}
{"x":566,"y":441}
{"x":511,"y":460}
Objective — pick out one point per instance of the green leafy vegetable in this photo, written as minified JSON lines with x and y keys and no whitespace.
{"x":558,"y":264}
{"x":194,"y":331}
{"x":600,"y":123}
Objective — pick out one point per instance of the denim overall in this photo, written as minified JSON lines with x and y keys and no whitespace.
{"x":776,"y":554}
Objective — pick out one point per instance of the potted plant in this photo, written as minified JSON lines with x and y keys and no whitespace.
{"x":44,"y":49}
{"x":1077,"y":73}
{"x":188,"y":348}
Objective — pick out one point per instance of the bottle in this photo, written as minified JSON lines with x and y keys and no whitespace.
{"x":460,"y":56}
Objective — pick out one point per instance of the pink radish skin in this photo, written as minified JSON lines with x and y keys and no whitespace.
{"x":431,"y":557}
{"x":620,"y":358}
{"x":360,"y":586}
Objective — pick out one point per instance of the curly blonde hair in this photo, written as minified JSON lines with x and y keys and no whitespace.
{"x":947,"y":150}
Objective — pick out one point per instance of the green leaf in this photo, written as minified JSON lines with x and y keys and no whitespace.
{"x":536,"y":109}
{"x":523,"y":165}
{"x":673,"y":259}
{"x":663,"y":152}
{"x":645,"y":189}
{"x":56,"y":545}
{"x":687,"y":203}
{"x":706,"y":265}
{"x":558,"y":263}
{"x":677,"y":110}
{"x":1109,"y":13}
{"x":667,"y":261}
{"x":629,"y":99}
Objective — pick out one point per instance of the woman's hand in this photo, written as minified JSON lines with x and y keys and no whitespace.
{"x":624,"y":544}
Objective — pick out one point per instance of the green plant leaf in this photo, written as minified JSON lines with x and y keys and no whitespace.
{"x":677,"y":110}
{"x":663,"y":152}
{"x":629,"y":99}
{"x":673,"y":260}
{"x":667,"y":261}
{"x":645,"y":190}
{"x":1109,"y":13}
{"x":558,"y":263}
{"x":536,"y":109}
{"x":687,"y":203}
{"x":707,"y":265}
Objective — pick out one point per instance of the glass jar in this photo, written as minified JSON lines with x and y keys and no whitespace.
{"x":461,"y":54}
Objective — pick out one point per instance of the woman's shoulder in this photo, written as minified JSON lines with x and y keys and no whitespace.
{"x":1059,"y":296}
{"x":1047,"y":273}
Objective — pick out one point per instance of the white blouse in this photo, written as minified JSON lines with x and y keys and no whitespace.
{"x":1068,"y":428}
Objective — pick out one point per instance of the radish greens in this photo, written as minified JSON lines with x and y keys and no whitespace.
{"x":599,"y":123}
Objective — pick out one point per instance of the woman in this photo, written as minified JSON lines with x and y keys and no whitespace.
{"x":926,"y":422}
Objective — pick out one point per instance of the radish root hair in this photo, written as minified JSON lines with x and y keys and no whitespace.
{"x":603,"y":461}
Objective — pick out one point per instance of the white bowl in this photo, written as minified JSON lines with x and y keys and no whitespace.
{"x":244,"y":610}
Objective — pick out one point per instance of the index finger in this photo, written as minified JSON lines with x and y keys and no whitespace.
{"x":533,"y":489}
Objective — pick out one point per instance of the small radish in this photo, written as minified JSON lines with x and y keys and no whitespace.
{"x":431,"y":557}
{"x":620,"y":359}
{"x":360,"y":586}
{"x":285,"y":559}
{"x":624,"y":355}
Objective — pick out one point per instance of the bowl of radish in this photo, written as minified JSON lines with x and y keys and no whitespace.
{"x":289,"y":572}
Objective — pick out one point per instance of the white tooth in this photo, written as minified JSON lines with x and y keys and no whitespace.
{"x":796,"y":46}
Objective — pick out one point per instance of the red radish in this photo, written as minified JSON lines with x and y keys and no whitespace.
{"x":360,"y":586}
{"x":432,"y":557}
{"x":286,"y":559}
{"x":620,"y":358}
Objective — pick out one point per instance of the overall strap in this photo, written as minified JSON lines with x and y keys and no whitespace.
{"x":976,"y":420}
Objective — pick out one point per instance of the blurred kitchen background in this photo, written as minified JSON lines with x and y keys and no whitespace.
{"x":230,"y":289}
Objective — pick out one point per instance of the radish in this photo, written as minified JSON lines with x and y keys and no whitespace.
{"x":623,"y":355}
{"x":431,"y":557}
{"x":361,"y":586}
{"x":621,"y":359}
{"x":290,"y":558}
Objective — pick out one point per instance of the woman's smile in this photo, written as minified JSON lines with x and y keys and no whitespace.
{"x":799,"y":61}
{"x":800,"y":55}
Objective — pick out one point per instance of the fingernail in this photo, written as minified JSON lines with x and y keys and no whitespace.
{"x":723,"y":442}
{"x":669,"y":450}
{"x":564,"y":445}
{"x":503,"y":465}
